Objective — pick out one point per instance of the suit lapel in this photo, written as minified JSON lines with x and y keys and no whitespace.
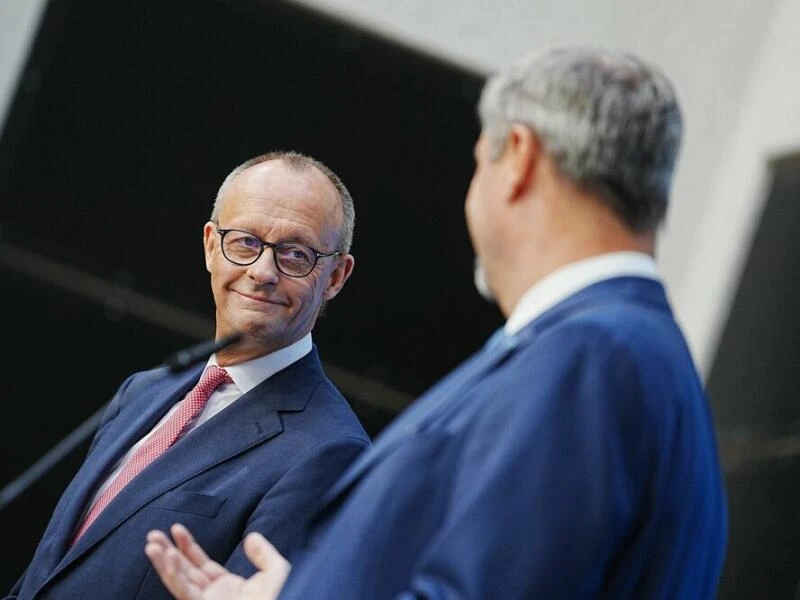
{"x":121,"y":433}
{"x":247,"y":422}
{"x":252,"y":419}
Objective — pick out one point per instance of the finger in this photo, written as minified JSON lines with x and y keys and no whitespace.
{"x":273,"y":569}
{"x":156,"y":536}
{"x":170,"y":567}
{"x":155,"y":552}
{"x":160,"y":547}
{"x":263,"y":554}
{"x":194,"y":553}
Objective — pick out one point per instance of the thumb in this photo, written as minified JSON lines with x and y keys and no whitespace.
{"x":263,"y":554}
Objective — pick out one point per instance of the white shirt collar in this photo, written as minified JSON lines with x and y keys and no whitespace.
{"x":249,"y":374}
{"x":574,"y":277}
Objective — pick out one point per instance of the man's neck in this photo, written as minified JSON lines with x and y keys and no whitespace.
{"x":532,"y":267}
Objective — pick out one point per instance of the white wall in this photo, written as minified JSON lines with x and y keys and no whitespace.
{"x":733,"y":63}
{"x":767,"y":125}
{"x":730,"y":61}
{"x":18,"y":22}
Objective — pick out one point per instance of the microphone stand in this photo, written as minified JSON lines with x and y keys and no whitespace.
{"x":176,"y":363}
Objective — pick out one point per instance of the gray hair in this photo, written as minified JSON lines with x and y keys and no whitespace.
{"x":610,"y":122}
{"x":299,"y":162}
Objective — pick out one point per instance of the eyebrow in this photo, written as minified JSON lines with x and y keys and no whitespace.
{"x":294,"y":239}
{"x":297,"y":240}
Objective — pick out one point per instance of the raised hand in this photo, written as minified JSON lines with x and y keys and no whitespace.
{"x":189,"y":574}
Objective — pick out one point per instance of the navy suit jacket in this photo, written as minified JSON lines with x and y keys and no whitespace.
{"x":259,"y":465}
{"x":575,"y":460}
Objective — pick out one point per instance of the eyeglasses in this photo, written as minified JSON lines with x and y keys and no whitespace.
{"x":243,"y":248}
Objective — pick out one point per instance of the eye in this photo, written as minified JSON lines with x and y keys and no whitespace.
{"x":296,"y":253}
{"x":250,"y":242}
{"x":242,"y":240}
{"x":241,"y":245}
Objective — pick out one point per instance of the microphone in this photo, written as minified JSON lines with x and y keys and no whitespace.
{"x":183,"y":359}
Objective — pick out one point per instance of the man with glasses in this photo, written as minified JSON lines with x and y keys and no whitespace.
{"x":573,"y":456}
{"x":245,"y":443}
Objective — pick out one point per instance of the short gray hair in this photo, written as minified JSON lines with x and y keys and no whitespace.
{"x":610,"y":122}
{"x":299,"y":162}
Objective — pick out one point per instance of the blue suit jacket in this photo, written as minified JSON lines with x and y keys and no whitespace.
{"x":575,"y":460}
{"x":259,"y":465}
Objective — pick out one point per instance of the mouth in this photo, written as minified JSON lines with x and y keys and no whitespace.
{"x":260,"y":298}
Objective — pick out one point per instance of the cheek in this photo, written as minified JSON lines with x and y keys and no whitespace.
{"x":304,"y":293}
{"x":217,"y":289}
{"x":469,"y":203}
{"x":221,"y":277}
{"x":317,"y":289}
{"x":472,"y":205}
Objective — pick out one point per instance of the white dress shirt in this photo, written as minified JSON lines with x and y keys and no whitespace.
{"x":566,"y":281}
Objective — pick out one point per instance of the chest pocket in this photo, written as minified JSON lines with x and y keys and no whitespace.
{"x":192,"y":503}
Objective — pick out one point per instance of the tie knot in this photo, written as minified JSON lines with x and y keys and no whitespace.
{"x":212,"y":378}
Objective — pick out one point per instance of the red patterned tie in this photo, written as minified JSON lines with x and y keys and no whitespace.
{"x":162,"y":438}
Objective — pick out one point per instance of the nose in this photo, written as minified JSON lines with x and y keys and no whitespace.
{"x":264,"y":271}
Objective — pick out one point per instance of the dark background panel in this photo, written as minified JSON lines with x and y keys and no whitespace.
{"x":131,"y":113}
{"x":753,"y":387}
{"x":68,"y":355}
{"x":128,"y":116}
{"x":756,"y":372}
{"x":763,"y":558}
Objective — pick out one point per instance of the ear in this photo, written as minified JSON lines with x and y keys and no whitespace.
{"x":209,"y":243}
{"x":523,"y":155}
{"x":340,"y":274}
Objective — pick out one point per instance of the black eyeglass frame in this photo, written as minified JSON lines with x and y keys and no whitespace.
{"x":264,"y":244}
